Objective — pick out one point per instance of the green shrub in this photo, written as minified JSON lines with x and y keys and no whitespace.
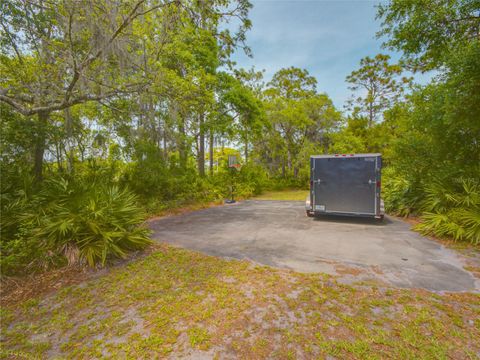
{"x":247,"y":181}
{"x":150,"y":180}
{"x":73,"y":221}
{"x":400,"y":194}
{"x":18,"y":249}
{"x":252,"y":180}
{"x":449,"y":206}
{"x":452,"y":210}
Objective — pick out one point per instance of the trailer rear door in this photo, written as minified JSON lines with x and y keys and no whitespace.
{"x":345,"y":185}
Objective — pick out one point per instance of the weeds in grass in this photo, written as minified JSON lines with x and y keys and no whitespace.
{"x":176,"y":301}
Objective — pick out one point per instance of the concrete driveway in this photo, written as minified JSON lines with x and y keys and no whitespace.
{"x":277,"y":233}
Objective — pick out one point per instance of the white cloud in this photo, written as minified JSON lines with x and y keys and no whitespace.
{"x":328,"y":38}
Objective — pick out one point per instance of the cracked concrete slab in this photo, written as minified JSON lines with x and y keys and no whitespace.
{"x":277,"y":233}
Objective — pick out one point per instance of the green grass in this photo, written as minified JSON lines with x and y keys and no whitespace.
{"x":287,"y":195}
{"x":176,"y":302}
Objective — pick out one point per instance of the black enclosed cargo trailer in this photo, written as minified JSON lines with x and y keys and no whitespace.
{"x":345,"y":184}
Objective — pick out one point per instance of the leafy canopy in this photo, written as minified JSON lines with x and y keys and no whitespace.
{"x":428,"y":32}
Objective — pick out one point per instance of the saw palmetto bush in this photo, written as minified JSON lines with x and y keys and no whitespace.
{"x":400,"y":194}
{"x":452,"y":211}
{"x":75,"y":221}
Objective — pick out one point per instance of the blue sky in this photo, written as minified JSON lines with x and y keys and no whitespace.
{"x":328,"y":38}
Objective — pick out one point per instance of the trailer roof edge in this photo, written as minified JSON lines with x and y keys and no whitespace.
{"x":344,"y":155}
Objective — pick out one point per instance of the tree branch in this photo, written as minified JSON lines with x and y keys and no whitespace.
{"x":12,"y":42}
{"x":59,"y":105}
{"x":91,"y":58}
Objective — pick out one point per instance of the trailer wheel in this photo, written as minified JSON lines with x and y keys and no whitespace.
{"x":309,"y":214}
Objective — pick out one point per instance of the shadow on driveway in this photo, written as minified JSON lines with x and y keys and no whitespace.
{"x":353,"y":220}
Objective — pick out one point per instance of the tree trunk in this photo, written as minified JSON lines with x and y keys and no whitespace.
{"x":246,"y":149}
{"x":40,"y":146}
{"x":182,"y":146}
{"x":210,"y":150}
{"x":69,"y":130}
{"x":201,"y":147}
{"x":289,"y":162}
{"x":59,"y":156}
{"x":370,"y":115}
{"x":165,"y":151}
{"x":178,"y":118}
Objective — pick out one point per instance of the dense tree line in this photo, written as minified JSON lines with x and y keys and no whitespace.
{"x":435,"y":150}
{"x":112,"y":109}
